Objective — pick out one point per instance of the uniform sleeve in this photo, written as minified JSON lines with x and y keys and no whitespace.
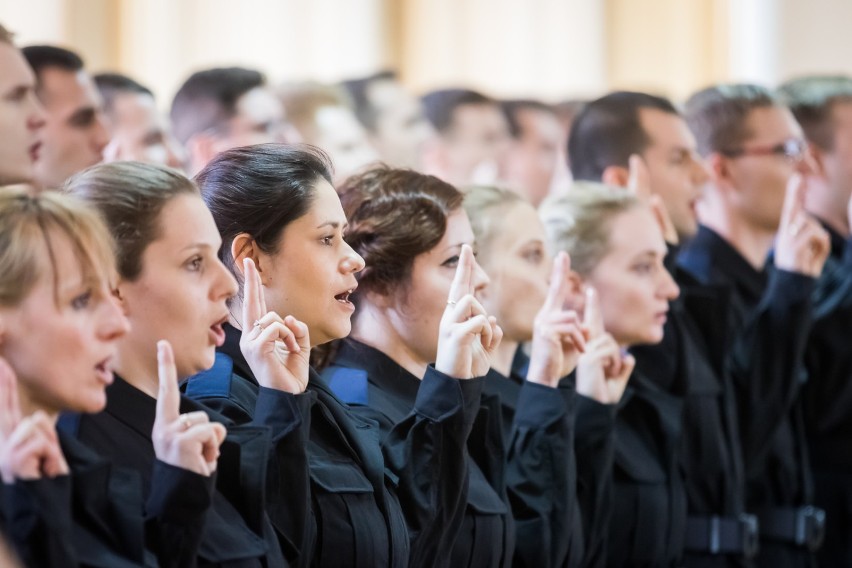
{"x":428,"y":452}
{"x":541,"y":478}
{"x":766,"y":358}
{"x":176,"y":510}
{"x":36,"y":517}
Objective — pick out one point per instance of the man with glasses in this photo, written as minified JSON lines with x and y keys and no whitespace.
{"x":753,"y":203}
{"x":823,"y":106}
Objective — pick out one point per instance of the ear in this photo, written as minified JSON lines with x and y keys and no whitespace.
{"x":244,"y":246}
{"x":120,"y":295}
{"x":719,"y":169}
{"x":200,"y":149}
{"x":617,"y":176}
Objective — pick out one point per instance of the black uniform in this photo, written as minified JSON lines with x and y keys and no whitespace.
{"x":648,"y":519}
{"x":539,"y":518}
{"x":768,"y":322}
{"x":236,"y":531}
{"x":827,"y":399}
{"x":690,"y":366}
{"x":365,"y":506}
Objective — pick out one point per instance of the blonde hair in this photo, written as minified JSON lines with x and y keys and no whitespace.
{"x":302,"y":102}
{"x":486,"y":207}
{"x":580,"y":222}
{"x":28,"y":222}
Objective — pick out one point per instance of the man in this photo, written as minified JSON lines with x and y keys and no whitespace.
{"x":393,"y":118}
{"x":473,"y":137}
{"x":605,"y":134}
{"x":537,"y":150}
{"x":75,"y":131}
{"x":753,"y":203}
{"x":21,"y":115}
{"x":823,"y":107}
{"x":139,"y":132}
{"x":321,"y":116}
{"x":222,"y":108}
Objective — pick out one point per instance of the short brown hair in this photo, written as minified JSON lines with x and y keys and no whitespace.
{"x":718,"y":115}
{"x":130,"y":196}
{"x":6,"y":36}
{"x":486,"y":207}
{"x":812,"y":100}
{"x":28,"y":221}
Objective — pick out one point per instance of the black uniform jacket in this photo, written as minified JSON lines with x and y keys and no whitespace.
{"x":379,"y":389}
{"x":359,"y":505}
{"x":691,"y":366}
{"x":649,"y":500}
{"x":828,"y":403}
{"x":97,"y":516}
{"x":236,"y":530}
{"x":768,"y":322}
{"x":568,"y":530}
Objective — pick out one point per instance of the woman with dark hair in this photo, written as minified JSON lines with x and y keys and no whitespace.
{"x":617,"y":248}
{"x":282,"y":229}
{"x":172,"y":286}
{"x":61,"y":503}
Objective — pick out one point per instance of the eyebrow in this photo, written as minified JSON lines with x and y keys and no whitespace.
{"x":83,"y":115}
{"x":197,"y":246}
{"x":332,"y":224}
{"x":459,"y":245}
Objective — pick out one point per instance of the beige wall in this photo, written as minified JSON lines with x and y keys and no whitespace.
{"x":546,"y":48}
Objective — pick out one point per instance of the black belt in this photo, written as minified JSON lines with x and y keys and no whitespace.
{"x":722,"y":535}
{"x":802,"y":526}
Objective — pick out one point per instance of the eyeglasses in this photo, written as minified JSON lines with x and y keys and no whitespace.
{"x":793,"y":149}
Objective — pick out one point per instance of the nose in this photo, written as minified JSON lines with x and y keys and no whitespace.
{"x":175,"y":156}
{"x":700,"y":173}
{"x":37,"y":117}
{"x":100,"y":134}
{"x":114,"y":323}
{"x":806,"y":166}
{"x":668,"y":287}
{"x":352,"y":261}
{"x":226,"y":285}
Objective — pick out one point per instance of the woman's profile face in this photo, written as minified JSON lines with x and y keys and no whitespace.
{"x":182,"y":290}
{"x":519,"y":267}
{"x":312,"y":272}
{"x":61,"y":340}
{"x":633,"y":285}
{"x":419,"y":305}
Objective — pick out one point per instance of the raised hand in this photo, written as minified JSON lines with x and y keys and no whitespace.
{"x":558,"y":338}
{"x":189,"y":441}
{"x":802,"y":245}
{"x":639,"y":182}
{"x":277,"y":350}
{"x":29,"y":447}
{"x":603,"y":369}
{"x":467,"y":337}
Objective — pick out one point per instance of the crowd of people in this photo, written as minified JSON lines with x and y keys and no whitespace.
{"x":341,"y":325}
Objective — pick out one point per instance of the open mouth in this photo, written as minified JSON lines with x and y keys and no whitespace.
{"x":218,"y":331}
{"x":104,"y":372}
{"x":344,"y":297}
{"x":34,"y":151}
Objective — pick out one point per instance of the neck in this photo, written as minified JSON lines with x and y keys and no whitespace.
{"x":751,"y":241}
{"x":372,"y":327}
{"x":827,"y":204}
{"x":137,"y":364}
{"x":502,"y":359}
{"x":31,"y":404}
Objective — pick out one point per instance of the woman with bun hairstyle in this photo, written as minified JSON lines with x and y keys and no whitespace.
{"x":512,"y":247}
{"x":172,"y":287}
{"x":358,"y":503}
{"x":62,"y":503}
{"x":617,"y":249}
{"x":415,"y":238}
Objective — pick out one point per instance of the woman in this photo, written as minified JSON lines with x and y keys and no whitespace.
{"x":63,"y":503}
{"x":282,"y":230}
{"x":172,"y":286}
{"x":512,"y":247}
{"x":617,"y":248}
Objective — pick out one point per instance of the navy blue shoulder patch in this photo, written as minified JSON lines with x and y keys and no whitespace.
{"x":214,"y":382}
{"x":69,"y":422}
{"x":349,"y":385}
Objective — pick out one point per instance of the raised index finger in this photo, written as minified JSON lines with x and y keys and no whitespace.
{"x":464,"y":273}
{"x":639,"y":180}
{"x":254,"y":305}
{"x":557,"y":292}
{"x":592,"y":317}
{"x":168,"y":398}
{"x":9,"y":404}
{"x":794,"y":200}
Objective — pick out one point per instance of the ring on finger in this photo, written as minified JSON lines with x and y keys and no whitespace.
{"x":451,"y":302}
{"x":256,"y":323}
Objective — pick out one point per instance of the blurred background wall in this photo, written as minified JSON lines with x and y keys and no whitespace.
{"x":549,"y":49}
